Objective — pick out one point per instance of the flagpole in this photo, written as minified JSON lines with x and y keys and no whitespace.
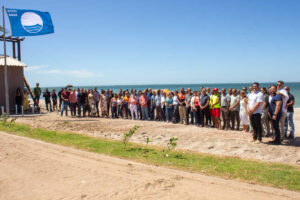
{"x":5,"y":67}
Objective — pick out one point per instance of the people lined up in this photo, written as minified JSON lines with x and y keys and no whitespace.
{"x":264,"y":112}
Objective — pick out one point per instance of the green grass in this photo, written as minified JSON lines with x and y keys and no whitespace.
{"x":272,"y":174}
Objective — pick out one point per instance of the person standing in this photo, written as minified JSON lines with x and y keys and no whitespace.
{"x":169,"y":107}
{"x":275,"y":113}
{"x":114,"y":106}
{"x":204,"y":108}
{"x":209,"y":106}
{"x":144,"y":104}
{"x":243,"y":111}
{"x":196,"y":108}
{"x":158,"y":105}
{"x":181,"y":102}
{"x":234,"y":110}
{"x":25,"y":100}
{"x":225,"y":102}
{"x":119,"y":104}
{"x":126,"y":104}
{"x":175,"y":107}
{"x":133,"y":106}
{"x":47,"y":96}
{"x":19,"y":98}
{"x":265,"y":113}
{"x":92,"y":103}
{"x":103,"y":104}
{"x":37,"y":93}
{"x":163,"y":106}
{"x":81,"y":98}
{"x":149,"y":96}
{"x":189,"y":109}
{"x":97,"y":97}
{"x":215,"y":104}
{"x":59,"y":97}
{"x":54,"y":100}
{"x":290,"y":113}
{"x":285,"y":98}
{"x":72,"y":100}
{"x":152,"y":105}
{"x":65,"y":101}
{"x":254,"y":109}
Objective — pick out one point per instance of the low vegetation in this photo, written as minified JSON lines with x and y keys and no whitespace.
{"x":272,"y":174}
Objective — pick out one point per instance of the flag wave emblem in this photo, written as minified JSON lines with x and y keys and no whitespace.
{"x":31,"y":22}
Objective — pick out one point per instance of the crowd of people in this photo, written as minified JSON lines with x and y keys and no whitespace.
{"x":263,"y":111}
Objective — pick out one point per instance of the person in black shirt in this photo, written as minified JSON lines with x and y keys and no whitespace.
{"x":275,"y":110}
{"x":289,"y":121}
{"x":204,"y":108}
{"x":54,"y":100}
{"x":81,"y":98}
{"x":47,"y":96}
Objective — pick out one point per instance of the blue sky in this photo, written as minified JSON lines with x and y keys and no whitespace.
{"x":114,"y":42}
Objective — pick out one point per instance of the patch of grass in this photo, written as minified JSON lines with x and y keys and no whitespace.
{"x":272,"y":174}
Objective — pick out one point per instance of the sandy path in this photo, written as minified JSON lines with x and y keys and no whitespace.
{"x":207,"y":140}
{"x":30,"y":169}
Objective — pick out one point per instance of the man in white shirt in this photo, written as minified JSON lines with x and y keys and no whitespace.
{"x":254,"y":109}
{"x":285,"y":97}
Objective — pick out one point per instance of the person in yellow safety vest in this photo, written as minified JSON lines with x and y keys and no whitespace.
{"x":216,"y":104}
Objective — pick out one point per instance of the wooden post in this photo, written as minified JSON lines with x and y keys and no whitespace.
{"x":19,"y":50}
{"x":14,"y":49}
{"x":5,"y":67}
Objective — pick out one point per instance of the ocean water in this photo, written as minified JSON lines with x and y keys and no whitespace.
{"x":295,"y":87}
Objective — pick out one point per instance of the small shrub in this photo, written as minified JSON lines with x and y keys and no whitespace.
{"x":4,"y":117}
{"x":147,"y":140}
{"x":128,"y":135}
{"x":12,"y":122}
{"x":172,"y":143}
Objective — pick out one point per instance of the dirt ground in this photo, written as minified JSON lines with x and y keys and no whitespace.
{"x":207,"y":140}
{"x":35,"y":170}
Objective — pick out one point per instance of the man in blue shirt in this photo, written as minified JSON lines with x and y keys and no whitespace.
{"x":275,"y":101}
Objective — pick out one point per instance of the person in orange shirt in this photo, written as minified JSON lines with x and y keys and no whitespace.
{"x":181,"y":102}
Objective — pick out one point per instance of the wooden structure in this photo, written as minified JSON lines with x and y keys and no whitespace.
{"x":15,"y":76}
{"x":16,"y":53}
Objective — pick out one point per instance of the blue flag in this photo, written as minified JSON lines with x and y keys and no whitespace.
{"x":29,"y":22}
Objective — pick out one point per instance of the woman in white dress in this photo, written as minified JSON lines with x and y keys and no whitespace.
{"x":92,"y":103}
{"x":243,"y":111}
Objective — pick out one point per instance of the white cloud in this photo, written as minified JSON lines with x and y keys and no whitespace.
{"x":34,"y":68}
{"x":81,"y":73}
{"x":52,"y":71}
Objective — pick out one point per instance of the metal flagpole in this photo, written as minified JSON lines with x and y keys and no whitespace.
{"x":5,"y":66}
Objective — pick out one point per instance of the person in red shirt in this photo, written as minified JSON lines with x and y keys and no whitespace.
{"x":65,"y":98}
{"x":144,"y":105}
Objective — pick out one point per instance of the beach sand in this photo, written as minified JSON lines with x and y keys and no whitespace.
{"x":35,"y":170}
{"x":31,"y":169}
{"x":205,"y":140}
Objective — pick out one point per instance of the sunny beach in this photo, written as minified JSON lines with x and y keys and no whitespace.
{"x":150,"y":100}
